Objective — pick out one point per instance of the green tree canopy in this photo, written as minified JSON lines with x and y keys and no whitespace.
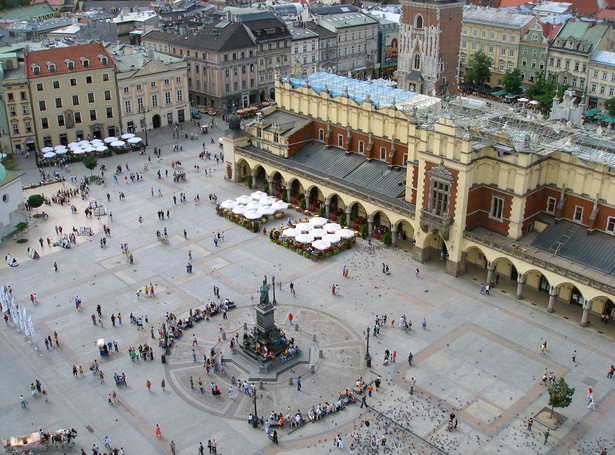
{"x":9,"y":4}
{"x":90,"y":162}
{"x":610,"y":106}
{"x":512,"y":81}
{"x":479,"y":68}
{"x":21,"y":226}
{"x":542,"y":91}
{"x":36,"y":200}
{"x":560,"y":395}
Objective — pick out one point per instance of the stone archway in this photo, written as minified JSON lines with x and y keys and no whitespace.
{"x":243,"y":171}
{"x":378,"y":224}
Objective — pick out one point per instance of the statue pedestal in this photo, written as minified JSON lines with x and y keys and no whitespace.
{"x":265,"y":319}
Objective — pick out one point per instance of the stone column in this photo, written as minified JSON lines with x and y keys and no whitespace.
{"x":393,"y":235}
{"x":490,"y":270}
{"x":327,"y":207}
{"x":585,"y":317}
{"x":520,"y":283}
{"x":288,"y":192}
{"x":270,"y":185}
{"x":253,"y":173}
{"x":553,"y":291}
{"x":370,"y":226}
{"x":348,"y":213}
{"x":307,"y":201}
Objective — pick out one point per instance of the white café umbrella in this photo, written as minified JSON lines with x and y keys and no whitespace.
{"x":90,"y":148}
{"x":534,"y":102}
{"x":268,"y":200}
{"x":94,"y":142}
{"x":102,"y":148}
{"x":127,"y":135}
{"x":304,"y":227}
{"x":291,"y":232}
{"x":254,"y":205}
{"x":332,"y":227}
{"x":229,"y":204}
{"x":321,"y":244}
{"x":280,"y":205}
{"x":258,"y":195}
{"x":252,"y":214}
{"x":47,"y":149}
{"x":79,"y":151}
{"x":318,"y":221}
{"x":304,"y":238}
{"x":110,"y":139}
{"x":73,"y":145}
{"x":240,"y":209}
{"x":59,"y":147}
{"x":61,"y":152}
{"x":333,"y":238}
{"x":49,"y":155}
{"x":266,"y":210}
{"x":317,"y":233}
{"x":345,"y":233}
{"x":84,"y":142}
{"x":523,"y":100}
{"x":118,"y":144}
{"x":244,"y":199}
{"x":134,"y":140}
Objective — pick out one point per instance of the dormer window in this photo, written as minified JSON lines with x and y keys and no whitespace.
{"x":84,"y":61}
{"x":36,"y":69}
{"x":102,"y":59}
{"x":70,"y":65}
{"x":51,"y":67}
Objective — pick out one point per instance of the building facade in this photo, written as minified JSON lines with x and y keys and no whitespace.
{"x":18,"y":106}
{"x":533,"y":49}
{"x":73,"y":94}
{"x":482,"y":191}
{"x":327,"y":45}
{"x":429,"y":36}
{"x":601,"y":86}
{"x":495,"y":32}
{"x":304,"y":51}
{"x":153,"y":90}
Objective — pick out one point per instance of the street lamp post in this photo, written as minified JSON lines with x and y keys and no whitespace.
{"x":255,"y":420}
{"x":273,"y":285}
{"x":368,"y":358}
{"x":144,"y":111}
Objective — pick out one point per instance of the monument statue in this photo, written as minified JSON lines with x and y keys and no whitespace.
{"x":264,"y":299}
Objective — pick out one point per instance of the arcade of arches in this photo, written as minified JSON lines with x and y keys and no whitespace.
{"x":546,"y":287}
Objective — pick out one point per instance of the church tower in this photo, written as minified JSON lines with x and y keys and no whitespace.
{"x":429,"y":37}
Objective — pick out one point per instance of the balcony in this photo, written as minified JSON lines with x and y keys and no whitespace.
{"x":434,"y":222}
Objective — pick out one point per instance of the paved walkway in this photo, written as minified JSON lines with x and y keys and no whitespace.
{"x":479,"y":356}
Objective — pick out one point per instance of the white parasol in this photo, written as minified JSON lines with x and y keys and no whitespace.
{"x":291,"y":232}
{"x":240,"y":209}
{"x":118,"y":144}
{"x":95,"y":142}
{"x":102,"y":148}
{"x":345,"y":233}
{"x":254,"y":205}
{"x":304,"y":238}
{"x":534,"y":102}
{"x":317,"y":233}
{"x":134,"y":140}
{"x":252,"y":214}
{"x":258,"y":195}
{"x":49,"y":155}
{"x":127,"y":136}
{"x":61,"y":151}
{"x":318,"y":221}
{"x":266,"y":210}
{"x":523,"y":100}
{"x":243,"y":199}
{"x":47,"y":149}
{"x":332,"y":227}
{"x":59,"y":147}
{"x":109,"y":140}
{"x":280,"y":205}
{"x":268,"y":200}
{"x":304,"y":227}
{"x":229,"y":204}
{"x":321,"y":245}
{"x":333,"y":238}
{"x":79,"y":151}
{"x":73,"y":145}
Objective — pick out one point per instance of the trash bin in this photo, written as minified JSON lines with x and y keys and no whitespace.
{"x":163,"y":359}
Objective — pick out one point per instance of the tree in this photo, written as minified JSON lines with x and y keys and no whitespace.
{"x":560,"y":395}
{"x":36,"y":200}
{"x":542,"y":91}
{"x":479,"y":68}
{"x":512,"y":81}
{"x":610,"y":106}
{"x":22,"y":226}
{"x":90,"y":162}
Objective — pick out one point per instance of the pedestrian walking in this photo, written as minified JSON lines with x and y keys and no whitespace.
{"x":546,"y":437}
{"x":148,"y":384}
{"x":290,"y":318}
{"x":163,"y":384}
{"x":530,"y":421}
{"x":299,"y":384}
{"x":107,"y":442}
{"x":172,"y":445}
{"x":410,"y":357}
{"x":157,"y":431}
{"x":574,"y":356}
{"x":416,"y":272}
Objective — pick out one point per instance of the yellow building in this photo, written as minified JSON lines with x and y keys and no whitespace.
{"x":18,"y":106}
{"x":479,"y":191}
{"x":73,"y":94}
{"x":495,"y":32}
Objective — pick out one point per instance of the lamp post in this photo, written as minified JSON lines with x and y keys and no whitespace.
{"x":255,"y":420}
{"x":368,"y":358}
{"x":273,"y":285}
{"x":143,"y":111}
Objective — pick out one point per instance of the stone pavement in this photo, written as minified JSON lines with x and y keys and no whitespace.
{"x":479,"y":355}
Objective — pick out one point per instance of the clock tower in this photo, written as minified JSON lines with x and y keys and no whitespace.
{"x":429,"y":37}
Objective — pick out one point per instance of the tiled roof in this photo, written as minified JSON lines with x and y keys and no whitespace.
{"x":496,"y":17}
{"x":59,"y":56}
{"x":285,"y":121}
{"x":257,"y":27}
{"x":605,"y":14}
{"x":220,"y":37}
{"x":584,"y":7}
{"x":26,"y":12}
{"x":604,"y":58}
{"x":549,"y":31}
{"x":591,"y":32}
{"x":570,"y":241}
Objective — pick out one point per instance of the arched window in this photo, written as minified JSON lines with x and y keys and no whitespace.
{"x":418,"y":21}
{"x":417,"y":62}
{"x":70,"y":65}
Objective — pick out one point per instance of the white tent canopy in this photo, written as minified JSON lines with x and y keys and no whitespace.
{"x":47,"y":149}
{"x":240,"y":209}
{"x":318,"y":221}
{"x":332,"y":227}
{"x":304,"y":238}
{"x":110,"y":139}
{"x":321,"y":244}
{"x":252,"y":214}
{"x":49,"y":155}
{"x":134,"y":140}
{"x":291,"y":232}
{"x":243,"y":199}
{"x":345,"y":233}
{"x":280,"y":205}
{"x":258,"y":195}
{"x":118,"y":144}
{"x":127,"y":136}
{"x":229,"y":204}
{"x":317,"y":233}
{"x":266,"y":210}
{"x":333,"y":238}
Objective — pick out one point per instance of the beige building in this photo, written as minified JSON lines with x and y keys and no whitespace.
{"x":153,"y":90}
{"x":480,"y":191}
{"x":495,"y":32}
{"x":73,"y":92}
{"x":18,"y":107}
{"x":601,"y":86}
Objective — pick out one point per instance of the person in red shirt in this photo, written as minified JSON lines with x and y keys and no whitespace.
{"x":290,"y":318}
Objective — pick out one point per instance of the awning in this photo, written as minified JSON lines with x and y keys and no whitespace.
{"x":592,"y":112}
{"x":499,"y":93}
